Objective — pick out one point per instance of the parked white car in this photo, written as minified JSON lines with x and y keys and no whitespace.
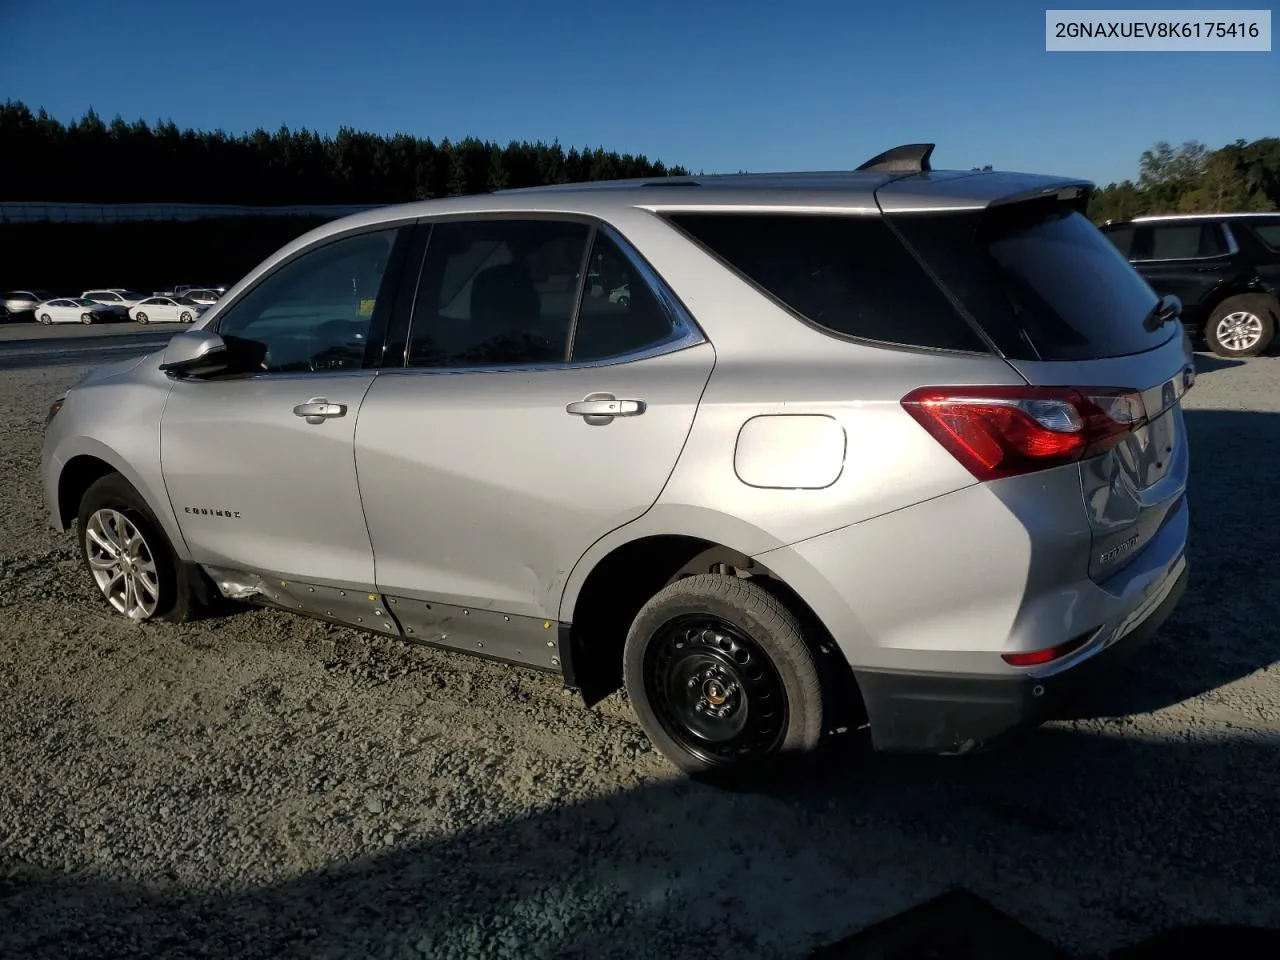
{"x":72,"y":310}
{"x":117,"y":298}
{"x":166,"y":310}
{"x":204,"y":297}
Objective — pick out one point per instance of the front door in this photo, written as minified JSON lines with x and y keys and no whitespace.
{"x":259,"y":463}
{"x":500,"y":453}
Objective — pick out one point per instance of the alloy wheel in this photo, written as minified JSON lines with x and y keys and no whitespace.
{"x":1239,"y":331}
{"x":122,"y":564}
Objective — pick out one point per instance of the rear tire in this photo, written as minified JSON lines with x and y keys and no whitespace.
{"x":114,"y":511}
{"x":1242,"y":326}
{"x":722,"y":679}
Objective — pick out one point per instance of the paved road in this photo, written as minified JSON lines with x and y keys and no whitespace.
{"x":15,"y":330}
{"x":83,"y":349}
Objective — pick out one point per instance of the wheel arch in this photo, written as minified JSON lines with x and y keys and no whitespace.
{"x":620,"y":574}
{"x":91,"y":460}
{"x":1253,"y":286}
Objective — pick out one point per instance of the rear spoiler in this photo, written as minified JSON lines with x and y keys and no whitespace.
{"x":955,"y":191}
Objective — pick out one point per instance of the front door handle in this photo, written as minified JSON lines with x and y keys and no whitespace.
{"x":318,"y":410}
{"x":600,"y":408}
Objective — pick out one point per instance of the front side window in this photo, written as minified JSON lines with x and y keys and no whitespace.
{"x":313,"y":313}
{"x":495,"y":293}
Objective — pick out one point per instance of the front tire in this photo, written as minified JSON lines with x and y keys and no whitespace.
{"x":45,"y":318}
{"x":86,"y":318}
{"x":186,"y":316}
{"x":721,"y":677}
{"x":128,"y":556}
{"x":1241,"y":326}
{"x":141,"y":317}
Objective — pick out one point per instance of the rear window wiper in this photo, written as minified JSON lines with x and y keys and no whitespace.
{"x":1167,"y":308}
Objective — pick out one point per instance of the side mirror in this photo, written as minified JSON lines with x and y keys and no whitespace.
{"x":194,"y":353}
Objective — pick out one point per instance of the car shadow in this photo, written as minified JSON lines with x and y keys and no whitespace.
{"x":1090,"y":841}
{"x":1227,"y":625}
{"x":1209,"y":362}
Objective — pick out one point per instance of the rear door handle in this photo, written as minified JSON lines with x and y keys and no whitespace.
{"x":600,"y":408}
{"x":318,"y":410}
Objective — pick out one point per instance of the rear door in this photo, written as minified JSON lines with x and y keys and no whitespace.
{"x":1186,"y":258}
{"x":533,"y":414}
{"x":1067,"y":309}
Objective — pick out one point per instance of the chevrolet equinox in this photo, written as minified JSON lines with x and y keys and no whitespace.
{"x":779,"y":455}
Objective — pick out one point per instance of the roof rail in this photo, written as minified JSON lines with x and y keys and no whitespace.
{"x":908,"y":158}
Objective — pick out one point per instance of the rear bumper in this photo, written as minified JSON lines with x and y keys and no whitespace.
{"x":955,"y":713}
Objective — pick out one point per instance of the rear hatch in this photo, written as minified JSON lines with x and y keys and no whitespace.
{"x":1066,"y":310}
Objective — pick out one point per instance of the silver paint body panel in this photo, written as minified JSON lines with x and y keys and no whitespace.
{"x":476,"y":490}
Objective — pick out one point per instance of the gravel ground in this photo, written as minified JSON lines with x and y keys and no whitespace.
{"x":266,"y":786}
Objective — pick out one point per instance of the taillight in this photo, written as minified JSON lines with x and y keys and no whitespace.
{"x":1004,"y":431}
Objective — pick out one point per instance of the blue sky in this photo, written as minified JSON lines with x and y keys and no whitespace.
{"x":716,"y":86}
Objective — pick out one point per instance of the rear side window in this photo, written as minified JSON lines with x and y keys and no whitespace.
{"x":496,"y":293}
{"x":1041,"y":279}
{"x":619,"y":313}
{"x":1186,"y":241}
{"x":846,"y":274}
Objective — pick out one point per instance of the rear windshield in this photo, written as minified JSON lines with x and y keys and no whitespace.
{"x":1041,"y":279}
{"x":845,"y":274}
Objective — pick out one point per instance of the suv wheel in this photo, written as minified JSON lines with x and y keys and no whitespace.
{"x":128,"y":555}
{"x":1242,"y":326}
{"x":721,"y":676}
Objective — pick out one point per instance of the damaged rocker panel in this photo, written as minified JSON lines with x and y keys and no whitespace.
{"x":346,"y":605}
{"x":527,"y":641}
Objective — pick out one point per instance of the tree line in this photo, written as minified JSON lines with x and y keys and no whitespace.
{"x":1241,"y":177}
{"x":91,"y":161}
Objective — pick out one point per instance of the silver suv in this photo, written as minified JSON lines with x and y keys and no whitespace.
{"x":895,"y":447}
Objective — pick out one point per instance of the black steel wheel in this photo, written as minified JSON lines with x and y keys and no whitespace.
{"x":715,"y":692}
{"x":721,"y":677}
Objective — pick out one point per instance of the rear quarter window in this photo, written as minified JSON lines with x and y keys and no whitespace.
{"x":845,"y":274}
{"x":1269,"y":234}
